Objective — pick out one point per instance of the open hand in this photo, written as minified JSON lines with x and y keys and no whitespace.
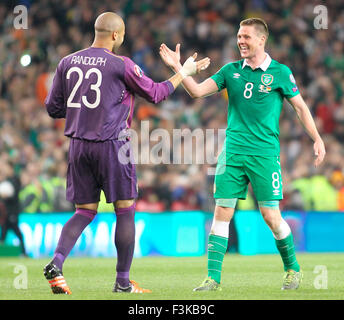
{"x":172,"y":59}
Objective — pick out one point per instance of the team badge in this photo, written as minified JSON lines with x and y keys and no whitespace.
{"x":267,"y":79}
{"x":138,"y":71}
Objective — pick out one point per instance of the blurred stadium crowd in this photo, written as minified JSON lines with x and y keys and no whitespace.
{"x":35,"y":147}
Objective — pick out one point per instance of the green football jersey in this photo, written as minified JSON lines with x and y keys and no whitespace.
{"x":255,"y":100}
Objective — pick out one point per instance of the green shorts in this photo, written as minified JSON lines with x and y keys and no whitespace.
{"x":232,"y":178}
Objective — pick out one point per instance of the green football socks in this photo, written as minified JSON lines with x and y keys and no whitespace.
{"x":217,"y":247}
{"x":287,"y":251}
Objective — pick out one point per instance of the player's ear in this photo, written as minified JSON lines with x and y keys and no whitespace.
{"x":263,"y":39}
{"x":114,"y":35}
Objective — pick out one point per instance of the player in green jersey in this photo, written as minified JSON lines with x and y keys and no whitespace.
{"x":256,"y":87}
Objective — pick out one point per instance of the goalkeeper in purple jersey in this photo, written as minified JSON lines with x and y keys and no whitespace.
{"x":94,"y":90}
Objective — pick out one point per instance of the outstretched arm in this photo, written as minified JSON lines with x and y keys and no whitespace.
{"x":307,"y":121}
{"x":157,"y":91}
{"x":195,"y":90}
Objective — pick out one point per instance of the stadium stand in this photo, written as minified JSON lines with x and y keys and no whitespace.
{"x":35,"y":145}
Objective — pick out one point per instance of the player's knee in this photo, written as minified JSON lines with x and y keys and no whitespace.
{"x":86,"y":212}
{"x":125,"y":208}
{"x":88,"y":206}
{"x":122,"y":204}
{"x":224,"y":209}
{"x":272,"y":217}
{"x":223,"y":213}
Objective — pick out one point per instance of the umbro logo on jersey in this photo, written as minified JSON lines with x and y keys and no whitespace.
{"x":236,"y":75}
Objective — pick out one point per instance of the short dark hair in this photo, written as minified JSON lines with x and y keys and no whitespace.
{"x":258,"y":23}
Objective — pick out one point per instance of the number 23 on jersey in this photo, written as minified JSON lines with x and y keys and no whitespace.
{"x":93,"y":87}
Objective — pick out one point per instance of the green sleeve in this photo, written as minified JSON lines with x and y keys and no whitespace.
{"x":288,"y":85}
{"x":219,"y":78}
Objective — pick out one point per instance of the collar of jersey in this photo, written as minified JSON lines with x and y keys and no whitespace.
{"x":264,"y":65}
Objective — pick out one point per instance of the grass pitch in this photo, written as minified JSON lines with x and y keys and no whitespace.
{"x":170,"y":278}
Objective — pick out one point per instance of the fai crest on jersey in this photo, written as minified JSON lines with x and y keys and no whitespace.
{"x":267,"y":79}
{"x":138,"y":71}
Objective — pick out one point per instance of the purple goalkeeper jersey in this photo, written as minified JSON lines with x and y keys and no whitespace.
{"x":94,"y":90}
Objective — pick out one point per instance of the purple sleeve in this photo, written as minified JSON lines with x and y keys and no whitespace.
{"x":137,"y":81}
{"x":55,"y":102}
